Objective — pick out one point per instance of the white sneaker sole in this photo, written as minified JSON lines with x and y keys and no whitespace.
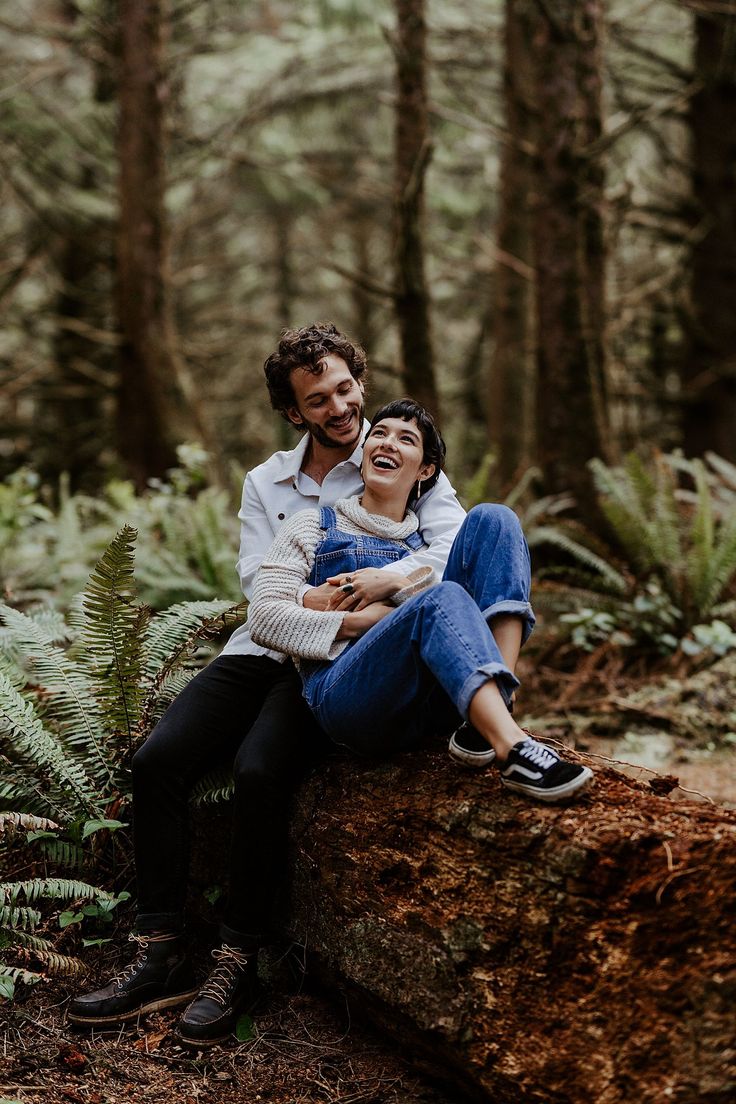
{"x":558,"y":793}
{"x":475,"y":759}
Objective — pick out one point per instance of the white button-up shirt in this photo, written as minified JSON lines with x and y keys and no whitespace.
{"x":279,"y":488}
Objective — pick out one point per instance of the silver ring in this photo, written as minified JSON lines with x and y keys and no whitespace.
{"x":348,"y":588}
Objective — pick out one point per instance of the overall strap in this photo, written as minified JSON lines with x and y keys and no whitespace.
{"x":414,"y":541}
{"x":327,"y":518}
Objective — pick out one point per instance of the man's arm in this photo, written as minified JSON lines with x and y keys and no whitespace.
{"x":440,"y":516}
{"x":256,"y":536}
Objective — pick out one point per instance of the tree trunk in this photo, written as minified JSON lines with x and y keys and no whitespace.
{"x":147,"y":368}
{"x":572,"y":421}
{"x":412,"y":153}
{"x":709,"y":417}
{"x":525,"y":953}
{"x":511,"y":392}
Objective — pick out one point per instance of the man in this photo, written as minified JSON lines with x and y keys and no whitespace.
{"x":246,"y":707}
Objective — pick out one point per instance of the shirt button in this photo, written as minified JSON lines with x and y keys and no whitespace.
{"x":281,"y":517}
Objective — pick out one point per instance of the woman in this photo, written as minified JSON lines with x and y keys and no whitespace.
{"x":398,"y":654}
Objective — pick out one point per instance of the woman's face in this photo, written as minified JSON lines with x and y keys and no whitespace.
{"x":393,"y":457}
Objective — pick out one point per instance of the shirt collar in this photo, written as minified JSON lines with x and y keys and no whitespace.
{"x":291,"y":462}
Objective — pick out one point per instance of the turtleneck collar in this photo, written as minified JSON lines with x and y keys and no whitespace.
{"x":377,"y":524}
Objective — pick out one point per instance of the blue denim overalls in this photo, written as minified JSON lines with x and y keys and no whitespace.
{"x":340,"y":552}
{"x":422,"y":664}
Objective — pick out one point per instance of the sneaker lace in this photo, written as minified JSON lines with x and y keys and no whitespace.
{"x":133,"y":967}
{"x":230,"y":962}
{"x":540,"y":755}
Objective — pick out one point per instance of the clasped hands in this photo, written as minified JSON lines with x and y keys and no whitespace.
{"x":368,"y":585}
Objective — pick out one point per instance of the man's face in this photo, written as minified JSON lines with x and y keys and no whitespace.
{"x":328,"y":403}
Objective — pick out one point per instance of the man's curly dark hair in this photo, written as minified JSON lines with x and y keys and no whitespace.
{"x":306,"y":348}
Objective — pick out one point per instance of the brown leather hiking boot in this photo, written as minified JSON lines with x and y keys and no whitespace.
{"x":231,"y":990}
{"x":160,"y":976}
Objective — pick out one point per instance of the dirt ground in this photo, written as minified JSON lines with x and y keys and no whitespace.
{"x":304,"y":1050}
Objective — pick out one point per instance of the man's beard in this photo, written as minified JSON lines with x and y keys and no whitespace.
{"x":322,"y":437}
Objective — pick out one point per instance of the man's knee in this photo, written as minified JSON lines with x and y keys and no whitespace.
{"x":157,"y":756}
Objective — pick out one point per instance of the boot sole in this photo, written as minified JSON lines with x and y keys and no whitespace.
{"x":229,"y":1035}
{"x":151,"y":1006}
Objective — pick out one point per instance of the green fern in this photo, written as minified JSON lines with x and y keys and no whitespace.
{"x":668,"y":521}
{"x":36,"y":746}
{"x":113,"y":633}
{"x":76,"y":710}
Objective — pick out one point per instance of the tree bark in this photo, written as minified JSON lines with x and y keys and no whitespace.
{"x":572,"y":407}
{"x":147,"y":368}
{"x":709,"y":375}
{"x":412,"y":152}
{"x":525,"y":953}
{"x":511,"y":389}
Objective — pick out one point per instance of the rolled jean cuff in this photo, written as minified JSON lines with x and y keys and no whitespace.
{"x":521,"y":609}
{"x":505,"y":681}
{"x":159,"y":921}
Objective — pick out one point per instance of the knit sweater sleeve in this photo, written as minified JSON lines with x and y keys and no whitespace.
{"x":275,"y":616}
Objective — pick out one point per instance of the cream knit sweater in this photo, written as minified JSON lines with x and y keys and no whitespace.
{"x":275,"y":616}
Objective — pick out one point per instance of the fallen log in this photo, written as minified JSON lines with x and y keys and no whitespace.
{"x":526,"y":953}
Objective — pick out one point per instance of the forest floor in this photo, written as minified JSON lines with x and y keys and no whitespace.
{"x":306,"y":1048}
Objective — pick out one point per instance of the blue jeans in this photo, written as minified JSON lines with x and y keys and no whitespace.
{"x":421,"y":665}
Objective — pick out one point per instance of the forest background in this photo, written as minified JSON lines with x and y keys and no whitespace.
{"x":524,"y":211}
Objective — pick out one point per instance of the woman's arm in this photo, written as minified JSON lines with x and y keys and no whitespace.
{"x":275,"y":616}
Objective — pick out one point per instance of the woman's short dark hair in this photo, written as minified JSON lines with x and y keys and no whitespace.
{"x":434,"y":447}
{"x":306,"y":348}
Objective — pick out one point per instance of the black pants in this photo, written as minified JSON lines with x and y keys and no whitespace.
{"x":248,"y":711}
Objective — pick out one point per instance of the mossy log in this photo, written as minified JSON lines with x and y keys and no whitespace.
{"x":526,"y":953}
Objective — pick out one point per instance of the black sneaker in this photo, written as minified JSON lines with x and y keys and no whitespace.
{"x":231,"y":990}
{"x":160,"y":976}
{"x":533,"y":769}
{"x":469,"y":748}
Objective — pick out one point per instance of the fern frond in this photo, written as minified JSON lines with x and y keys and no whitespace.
{"x":67,"y":688}
{"x":41,"y":748}
{"x":544,"y":534}
{"x":21,"y":917}
{"x":17,"y":973}
{"x":175,"y":631}
{"x":113,"y":633}
{"x":28,"y":940}
{"x":59,"y":964}
{"x":62,"y":889}
{"x":26,"y":821}
{"x":216,"y":786}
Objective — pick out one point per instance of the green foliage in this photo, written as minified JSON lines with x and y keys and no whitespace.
{"x":667,"y":579}
{"x":77,"y":695}
{"x":186,"y":536}
{"x":686,"y":541}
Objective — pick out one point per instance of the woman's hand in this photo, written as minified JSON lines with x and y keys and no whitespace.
{"x":355,"y":624}
{"x":369,"y":584}
{"x":318,"y":598}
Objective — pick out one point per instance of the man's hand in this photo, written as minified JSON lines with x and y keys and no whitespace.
{"x":355,"y":624}
{"x":370,"y":584}
{"x":318,"y":598}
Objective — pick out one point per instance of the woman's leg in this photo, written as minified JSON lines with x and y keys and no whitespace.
{"x":370,"y":697}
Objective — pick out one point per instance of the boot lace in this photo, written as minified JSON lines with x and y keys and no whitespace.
{"x":539,"y":754}
{"x":138,"y":962}
{"x":230,"y":962}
